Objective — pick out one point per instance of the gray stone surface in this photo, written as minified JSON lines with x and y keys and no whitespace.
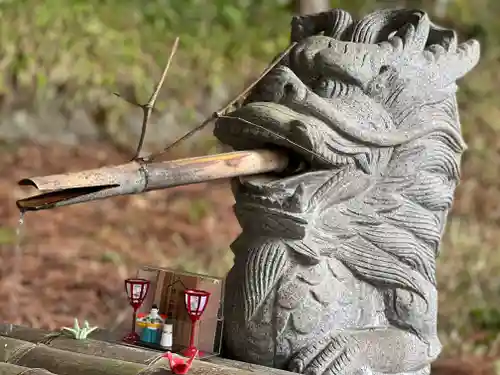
{"x":335,"y":268}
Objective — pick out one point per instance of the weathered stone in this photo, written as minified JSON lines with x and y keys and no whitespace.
{"x":335,"y":268}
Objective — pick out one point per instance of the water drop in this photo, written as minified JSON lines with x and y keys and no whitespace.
{"x":16,"y":267}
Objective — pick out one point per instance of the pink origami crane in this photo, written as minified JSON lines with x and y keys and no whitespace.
{"x":178,"y":365}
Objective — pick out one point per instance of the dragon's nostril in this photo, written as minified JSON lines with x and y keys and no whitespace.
{"x":383,"y":69}
{"x":288,"y":89}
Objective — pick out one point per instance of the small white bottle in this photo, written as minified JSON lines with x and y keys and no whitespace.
{"x":167,"y":335}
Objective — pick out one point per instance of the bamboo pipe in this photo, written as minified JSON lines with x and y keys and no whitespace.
{"x":133,"y":177}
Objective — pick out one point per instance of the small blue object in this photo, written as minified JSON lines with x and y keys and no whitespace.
{"x":150,"y":335}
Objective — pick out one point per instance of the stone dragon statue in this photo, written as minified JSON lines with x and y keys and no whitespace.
{"x":334,"y":271}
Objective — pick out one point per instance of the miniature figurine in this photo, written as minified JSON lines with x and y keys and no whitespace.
{"x":334,"y":270}
{"x":79,"y":333}
{"x":152,"y":324}
{"x":179,"y":365}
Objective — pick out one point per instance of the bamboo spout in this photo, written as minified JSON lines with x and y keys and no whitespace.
{"x":133,"y":177}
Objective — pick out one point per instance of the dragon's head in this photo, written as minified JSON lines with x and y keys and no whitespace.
{"x":346,"y":98}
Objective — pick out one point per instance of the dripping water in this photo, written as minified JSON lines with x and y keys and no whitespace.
{"x":16,"y":266}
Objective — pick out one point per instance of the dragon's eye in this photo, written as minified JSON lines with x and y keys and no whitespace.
{"x":323,"y":87}
{"x":377,"y":87}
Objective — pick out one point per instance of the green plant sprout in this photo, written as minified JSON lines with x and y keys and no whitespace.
{"x":79,"y":333}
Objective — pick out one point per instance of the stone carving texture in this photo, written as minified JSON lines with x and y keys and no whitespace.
{"x":334,"y":270}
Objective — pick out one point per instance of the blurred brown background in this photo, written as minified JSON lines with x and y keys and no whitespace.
{"x":60,"y":62}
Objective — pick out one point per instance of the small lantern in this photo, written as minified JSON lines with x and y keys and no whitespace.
{"x":196,"y":301}
{"x":137,"y":290}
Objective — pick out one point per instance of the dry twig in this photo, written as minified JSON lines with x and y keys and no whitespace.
{"x":148,"y":107}
{"x":223,"y":111}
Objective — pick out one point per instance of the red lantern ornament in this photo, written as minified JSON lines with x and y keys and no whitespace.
{"x":137,"y":290}
{"x":196,"y":301}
